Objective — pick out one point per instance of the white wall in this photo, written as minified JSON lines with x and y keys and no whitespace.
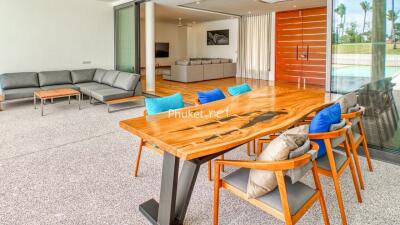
{"x":55,"y":34}
{"x":166,"y":32}
{"x":197,"y":40}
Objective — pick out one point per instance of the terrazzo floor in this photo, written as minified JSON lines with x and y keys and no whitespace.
{"x":75,"y":167}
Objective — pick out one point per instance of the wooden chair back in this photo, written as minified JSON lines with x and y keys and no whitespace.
{"x":279,"y":167}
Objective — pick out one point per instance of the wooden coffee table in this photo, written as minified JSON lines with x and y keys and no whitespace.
{"x":56,"y":93}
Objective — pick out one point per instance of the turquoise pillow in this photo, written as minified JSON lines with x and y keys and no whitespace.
{"x":210,"y":96}
{"x":158,"y":105}
{"x":322,"y":123}
{"x":239,"y":89}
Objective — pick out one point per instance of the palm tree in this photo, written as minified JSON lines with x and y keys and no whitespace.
{"x":392,"y":16}
{"x":341,"y":11}
{"x":366,"y":6}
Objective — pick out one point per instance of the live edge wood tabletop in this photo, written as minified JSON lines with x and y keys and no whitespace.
{"x":200,"y":133}
{"x":240,"y":119}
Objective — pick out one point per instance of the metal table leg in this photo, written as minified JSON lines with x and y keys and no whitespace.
{"x":174,"y":196}
{"x":69,"y":99}
{"x":34,"y":101}
{"x":79,"y":101}
{"x":41,"y":106}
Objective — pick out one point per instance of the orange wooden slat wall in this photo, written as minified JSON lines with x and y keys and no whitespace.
{"x":301,"y":32}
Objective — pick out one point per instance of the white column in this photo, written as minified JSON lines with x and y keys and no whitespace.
{"x":150,"y":45}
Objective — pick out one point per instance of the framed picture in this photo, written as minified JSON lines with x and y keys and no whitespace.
{"x":218,"y":37}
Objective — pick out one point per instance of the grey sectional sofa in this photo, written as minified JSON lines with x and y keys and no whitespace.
{"x":194,"y":70}
{"x":99,"y":84}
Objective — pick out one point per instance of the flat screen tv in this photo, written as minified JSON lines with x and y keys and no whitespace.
{"x":162,"y":50}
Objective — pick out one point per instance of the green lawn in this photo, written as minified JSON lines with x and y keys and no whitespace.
{"x":363,"y":48}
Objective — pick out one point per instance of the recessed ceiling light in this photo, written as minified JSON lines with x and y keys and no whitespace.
{"x":295,"y":6}
{"x":198,"y":2}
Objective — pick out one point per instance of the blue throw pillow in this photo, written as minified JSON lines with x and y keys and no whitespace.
{"x":158,"y":105}
{"x":210,"y":96}
{"x":239,"y":89}
{"x":322,"y":123}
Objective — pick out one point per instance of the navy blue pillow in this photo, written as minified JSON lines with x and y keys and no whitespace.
{"x":210,"y":96}
{"x":322,"y":123}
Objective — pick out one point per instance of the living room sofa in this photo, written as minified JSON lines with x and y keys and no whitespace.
{"x":194,"y":70}
{"x":102,"y":85}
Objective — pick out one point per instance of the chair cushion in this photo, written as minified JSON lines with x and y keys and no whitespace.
{"x":322,"y":123}
{"x":110,"y":77}
{"x":297,"y":173}
{"x":52,"y":87}
{"x":108,"y":94}
{"x":347,"y":101}
{"x":158,"y":105}
{"x":210,"y":96}
{"x":18,"y":80}
{"x":262,"y":182}
{"x":54,"y":78}
{"x":98,"y":75}
{"x":19,"y":93}
{"x":340,"y":159}
{"x":298,"y":193}
{"x":88,"y":89}
{"x":82,"y":76}
{"x":338,"y":140}
{"x":126,"y":81}
{"x":239,"y":89}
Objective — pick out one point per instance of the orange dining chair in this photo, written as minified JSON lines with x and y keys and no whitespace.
{"x":334,"y":163}
{"x":289,"y":202}
{"x":356,"y":138}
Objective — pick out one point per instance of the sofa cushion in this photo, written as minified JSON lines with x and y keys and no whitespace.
{"x":183,"y":62}
{"x":225,"y":60}
{"x":19,"y":93}
{"x":205,"y":62}
{"x":158,"y":105}
{"x":98,"y":75}
{"x":82,"y":76}
{"x":54,"y":78}
{"x":108,"y":94}
{"x":62,"y":86}
{"x":86,"y":84}
{"x":215,"y":61}
{"x":322,"y":123}
{"x":110,"y":77}
{"x":18,"y":80}
{"x":210,"y":96}
{"x":126,"y":81}
{"x":88,"y":89}
{"x":239,"y":89}
{"x":195,"y":62}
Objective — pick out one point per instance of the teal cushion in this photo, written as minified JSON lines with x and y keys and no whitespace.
{"x":239,"y":89}
{"x":158,"y":105}
{"x":322,"y":123}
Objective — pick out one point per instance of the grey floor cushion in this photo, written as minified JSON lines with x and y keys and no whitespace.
{"x":88,"y":89}
{"x":298,"y":193}
{"x":340,"y":159}
{"x":104,"y":95}
{"x":60,"y":87}
{"x":19,"y":93}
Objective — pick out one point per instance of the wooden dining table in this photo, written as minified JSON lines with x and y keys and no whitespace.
{"x":200,"y":133}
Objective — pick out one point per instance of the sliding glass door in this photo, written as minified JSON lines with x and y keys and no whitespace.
{"x":366,"y":59}
{"x":127,"y":22}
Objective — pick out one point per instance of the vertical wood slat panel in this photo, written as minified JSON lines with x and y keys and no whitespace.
{"x":296,"y":30}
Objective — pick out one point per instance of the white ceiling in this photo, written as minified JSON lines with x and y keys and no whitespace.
{"x":168,"y":13}
{"x":246,"y":7}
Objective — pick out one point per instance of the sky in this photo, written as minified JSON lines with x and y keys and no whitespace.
{"x":354,"y":13}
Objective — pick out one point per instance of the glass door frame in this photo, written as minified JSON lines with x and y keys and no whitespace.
{"x":136,"y":24}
